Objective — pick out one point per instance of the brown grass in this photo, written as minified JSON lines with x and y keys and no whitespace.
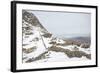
{"x":71,"y":42}
{"x":28,"y":33}
{"x":29,"y":50}
{"x":41,"y":56}
{"x":53,"y":42}
{"x":69,"y":53}
{"x":85,"y":45}
{"x":47,"y":35}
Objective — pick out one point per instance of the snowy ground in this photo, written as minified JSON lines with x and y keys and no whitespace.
{"x":41,"y":43}
{"x":60,"y":57}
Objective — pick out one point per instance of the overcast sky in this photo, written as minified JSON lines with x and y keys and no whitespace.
{"x":65,"y":23}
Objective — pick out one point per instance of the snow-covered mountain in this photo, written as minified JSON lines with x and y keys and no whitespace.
{"x":39,"y":45}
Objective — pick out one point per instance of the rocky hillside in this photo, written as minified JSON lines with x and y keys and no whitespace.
{"x":39,"y":45}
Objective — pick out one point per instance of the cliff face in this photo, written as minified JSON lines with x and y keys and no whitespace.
{"x":40,"y":45}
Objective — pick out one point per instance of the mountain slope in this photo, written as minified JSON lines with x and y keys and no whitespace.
{"x":41,"y":46}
